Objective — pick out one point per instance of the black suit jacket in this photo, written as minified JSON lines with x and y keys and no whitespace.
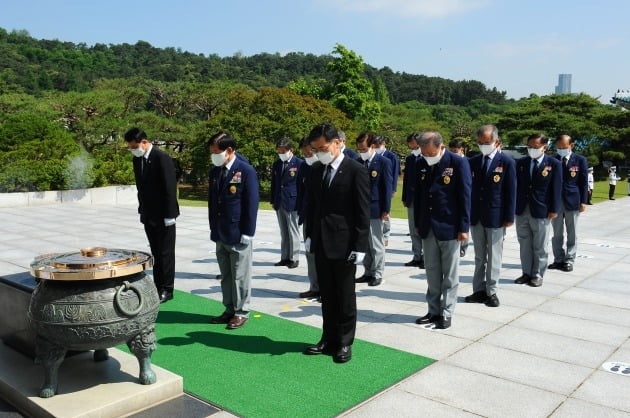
{"x":157,"y":187}
{"x":338,"y":219}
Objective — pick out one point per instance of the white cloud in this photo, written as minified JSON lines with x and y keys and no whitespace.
{"x":425,"y":9}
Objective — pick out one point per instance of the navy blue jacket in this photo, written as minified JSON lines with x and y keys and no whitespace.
{"x":543,"y":194}
{"x":233,"y":203}
{"x":284,"y":184}
{"x":574,"y":181}
{"x":302,"y":191}
{"x":395,"y":164}
{"x":409,"y":179}
{"x":350,"y":153}
{"x":493,"y":196}
{"x":443,"y":197}
{"x":379,"y":172}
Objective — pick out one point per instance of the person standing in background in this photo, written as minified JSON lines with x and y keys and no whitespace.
{"x":302,"y":207}
{"x":457,"y":147}
{"x":381,"y":149}
{"x":408,"y":196}
{"x":283,"y":198}
{"x":591,"y":185}
{"x":573,"y":202}
{"x":158,"y":208}
{"x":612,"y":182}
{"x":378,"y":170}
{"x":348,"y":152}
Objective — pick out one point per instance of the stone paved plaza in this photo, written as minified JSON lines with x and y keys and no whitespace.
{"x":539,"y":354}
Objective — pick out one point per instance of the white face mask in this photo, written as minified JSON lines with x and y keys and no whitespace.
{"x":564,"y":152}
{"x":325,"y":157}
{"x":535,"y":153}
{"x":433,"y":160}
{"x":284,"y":157}
{"x":379,"y":150}
{"x":366,"y":155}
{"x":486,"y":149}
{"x":219,"y":159}
{"x":137,"y":152}
{"x":310,"y":160}
{"x":416,"y":152}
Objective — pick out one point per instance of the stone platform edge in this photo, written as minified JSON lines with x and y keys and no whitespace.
{"x":110,"y":195}
{"x":87,"y":389}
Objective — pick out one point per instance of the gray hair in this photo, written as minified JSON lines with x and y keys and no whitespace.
{"x":431,"y":136}
{"x":342,"y":136}
{"x":485,"y":128}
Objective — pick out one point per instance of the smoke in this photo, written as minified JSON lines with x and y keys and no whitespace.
{"x":79,"y":173}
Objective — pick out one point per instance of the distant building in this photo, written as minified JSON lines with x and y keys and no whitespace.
{"x":564,"y":84}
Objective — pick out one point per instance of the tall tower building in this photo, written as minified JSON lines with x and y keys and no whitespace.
{"x":564,"y":84}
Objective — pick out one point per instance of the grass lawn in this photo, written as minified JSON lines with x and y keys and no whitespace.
{"x":188,"y":197}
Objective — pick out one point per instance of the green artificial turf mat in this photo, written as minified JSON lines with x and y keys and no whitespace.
{"x":259,"y":370}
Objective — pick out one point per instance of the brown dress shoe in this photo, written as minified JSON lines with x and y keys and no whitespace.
{"x":236,"y":322}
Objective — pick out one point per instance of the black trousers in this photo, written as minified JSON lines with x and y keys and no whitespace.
{"x":339,"y":300}
{"x":611,"y":191}
{"x":162,"y":242}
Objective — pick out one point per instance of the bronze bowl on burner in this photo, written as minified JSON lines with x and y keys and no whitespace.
{"x":92,"y":300}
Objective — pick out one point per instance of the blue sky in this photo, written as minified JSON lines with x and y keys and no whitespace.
{"x":515,"y":45}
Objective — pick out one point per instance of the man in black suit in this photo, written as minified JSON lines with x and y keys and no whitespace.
{"x":157,"y":196}
{"x":337,"y":229}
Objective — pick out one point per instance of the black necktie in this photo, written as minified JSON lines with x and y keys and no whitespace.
{"x":535,"y":169}
{"x":485,"y":165}
{"x":223,"y":176}
{"x":327,"y":173}
{"x":566,"y":160}
{"x":142,"y":162}
{"x":284,"y":167}
{"x":366,"y":163}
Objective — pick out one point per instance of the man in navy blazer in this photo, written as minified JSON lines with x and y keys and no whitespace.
{"x":303,"y":176}
{"x":348,"y":152}
{"x":408,"y":196}
{"x":493,"y":203}
{"x":442,"y":215}
{"x":378,"y":170}
{"x":381,"y":149}
{"x":157,"y":197}
{"x":232,"y":212}
{"x":574,"y":201}
{"x":283,"y":199}
{"x":538,"y":188}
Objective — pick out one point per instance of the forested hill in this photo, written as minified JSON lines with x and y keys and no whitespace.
{"x":30,"y":65}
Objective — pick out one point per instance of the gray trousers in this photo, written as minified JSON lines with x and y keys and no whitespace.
{"x":289,"y":235}
{"x":235,"y":264}
{"x":416,"y":241}
{"x":570,"y":219}
{"x":387,"y":228}
{"x":310,"y":265}
{"x":374,"y":261}
{"x":533,"y":239}
{"x":488,"y":245}
{"x":441,"y":259}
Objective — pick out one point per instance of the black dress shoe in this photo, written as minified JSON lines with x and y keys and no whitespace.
{"x":282,"y":263}
{"x":224,"y":318}
{"x":322,"y":347}
{"x":555,"y":266}
{"x":536,"y":282}
{"x":443,"y":323}
{"x":364,"y":279}
{"x":412,"y":263}
{"x":309,"y":294}
{"x":492,"y":301}
{"x":375,"y":281}
{"x":166,"y":295}
{"x":462,"y":253}
{"x":421,"y":263}
{"x":524,"y":279}
{"x":343,"y":355}
{"x":567,"y":267}
{"x":293,"y":264}
{"x":477,"y":297}
{"x":427,"y":319}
